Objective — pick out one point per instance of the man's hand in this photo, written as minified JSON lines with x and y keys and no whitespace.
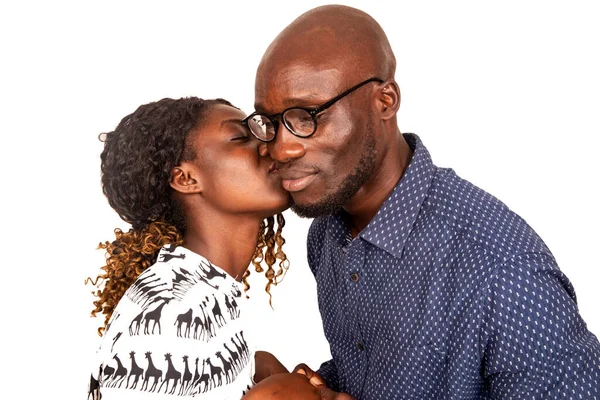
{"x":283,"y":386}
{"x":319,"y":384}
{"x":266,"y":364}
{"x":291,"y":386}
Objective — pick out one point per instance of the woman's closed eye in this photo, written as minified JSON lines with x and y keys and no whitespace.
{"x":241,"y":137}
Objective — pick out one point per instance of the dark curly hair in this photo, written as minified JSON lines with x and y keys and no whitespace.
{"x":136,"y":163}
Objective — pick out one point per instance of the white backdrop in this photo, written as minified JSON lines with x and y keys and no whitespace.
{"x":507,"y":94}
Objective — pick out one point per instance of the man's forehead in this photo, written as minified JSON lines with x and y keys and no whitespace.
{"x":296,"y":84}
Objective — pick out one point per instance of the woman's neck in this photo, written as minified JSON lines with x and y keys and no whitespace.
{"x":229,"y":242}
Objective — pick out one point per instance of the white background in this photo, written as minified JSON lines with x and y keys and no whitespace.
{"x":507,"y":94}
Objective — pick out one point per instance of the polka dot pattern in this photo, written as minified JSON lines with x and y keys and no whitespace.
{"x":447,"y":294}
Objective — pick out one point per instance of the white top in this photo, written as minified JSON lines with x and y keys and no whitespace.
{"x":177,"y":331}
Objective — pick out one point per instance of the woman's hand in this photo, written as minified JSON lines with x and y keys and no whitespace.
{"x":319,"y":384}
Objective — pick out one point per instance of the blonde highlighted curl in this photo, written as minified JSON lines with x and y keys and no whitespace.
{"x":132,"y":252}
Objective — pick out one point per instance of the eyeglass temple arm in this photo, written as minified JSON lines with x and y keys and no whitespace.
{"x":336,"y":98}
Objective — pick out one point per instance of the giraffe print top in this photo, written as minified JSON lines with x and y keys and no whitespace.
{"x":177,"y":331}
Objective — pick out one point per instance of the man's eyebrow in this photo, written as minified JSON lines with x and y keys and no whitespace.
{"x":308,"y":101}
{"x":236,"y":121}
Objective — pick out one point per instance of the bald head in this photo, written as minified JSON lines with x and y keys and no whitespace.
{"x":337,"y":38}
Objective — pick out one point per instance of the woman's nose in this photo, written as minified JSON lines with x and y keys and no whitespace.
{"x":262,"y":149}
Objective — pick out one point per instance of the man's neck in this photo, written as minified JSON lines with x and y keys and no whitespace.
{"x":368,"y":200}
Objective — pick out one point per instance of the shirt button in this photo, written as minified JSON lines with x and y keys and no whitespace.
{"x":360,"y":346}
{"x":354,"y":277}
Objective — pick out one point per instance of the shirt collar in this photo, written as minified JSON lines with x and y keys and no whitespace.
{"x":392,"y":224}
{"x":192,"y":262}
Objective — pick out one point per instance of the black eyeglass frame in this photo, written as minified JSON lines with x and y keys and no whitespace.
{"x":313,"y":111}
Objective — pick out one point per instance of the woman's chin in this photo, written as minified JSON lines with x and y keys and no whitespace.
{"x":279,"y":206}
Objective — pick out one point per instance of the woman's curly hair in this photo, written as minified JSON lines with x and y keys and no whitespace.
{"x":136,"y":163}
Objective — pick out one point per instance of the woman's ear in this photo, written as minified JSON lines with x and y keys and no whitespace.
{"x":389,"y":99}
{"x":185,"y":179}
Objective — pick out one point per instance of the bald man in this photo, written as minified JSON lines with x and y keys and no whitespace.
{"x":428,"y":286}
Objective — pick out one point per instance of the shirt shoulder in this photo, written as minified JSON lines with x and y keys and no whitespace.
{"x":193,"y":322}
{"x":475,"y":215}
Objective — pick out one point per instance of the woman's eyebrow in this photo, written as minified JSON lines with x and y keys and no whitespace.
{"x":237,"y":121}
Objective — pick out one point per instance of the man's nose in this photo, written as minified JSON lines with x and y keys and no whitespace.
{"x":286,"y":146}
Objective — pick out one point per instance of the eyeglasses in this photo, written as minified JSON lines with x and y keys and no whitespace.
{"x":300,"y":121}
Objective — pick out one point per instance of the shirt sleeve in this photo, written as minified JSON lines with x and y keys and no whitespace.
{"x":170,"y":364}
{"x":162,"y":373}
{"x":328,"y":372}
{"x":535,"y":344}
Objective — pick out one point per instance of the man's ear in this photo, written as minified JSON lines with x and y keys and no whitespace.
{"x":388,"y":99}
{"x":185,"y":179}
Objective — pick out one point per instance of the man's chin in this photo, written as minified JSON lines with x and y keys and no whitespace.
{"x":315,"y":209}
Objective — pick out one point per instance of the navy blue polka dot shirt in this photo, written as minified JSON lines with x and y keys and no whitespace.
{"x":447,"y":294}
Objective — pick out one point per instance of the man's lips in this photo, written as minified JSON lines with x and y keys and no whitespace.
{"x":296,"y":181}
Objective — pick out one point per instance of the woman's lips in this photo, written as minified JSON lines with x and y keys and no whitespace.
{"x":295,"y":185}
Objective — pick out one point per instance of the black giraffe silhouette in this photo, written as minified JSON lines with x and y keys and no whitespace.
{"x":204,"y":378}
{"x":243,"y":343}
{"x":142,"y":282}
{"x":108,"y":371}
{"x":169,"y":257}
{"x":235,"y":291}
{"x":146,"y":292}
{"x":244,"y":352}
{"x":181,"y":283}
{"x":120,"y":373}
{"x":153,"y":296}
{"x":112,"y":319}
{"x":156,"y":299}
{"x":136,"y":322}
{"x":136,"y":371}
{"x":227,"y":370}
{"x":235,"y":307}
{"x":94,"y":387}
{"x":209,"y":324}
{"x":151,"y":372}
{"x":187,"y":377}
{"x":196,"y":378}
{"x":197,"y":324}
{"x":114,"y":340}
{"x":210,"y":272}
{"x":235,"y":358}
{"x":228,"y":306}
{"x":172,"y":374}
{"x":185,"y":318}
{"x":203,"y":279}
{"x":216,"y":310}
{"x":155,"y":317}
{"x":170,"y":248}
{"x":240,"y":351}
{"x":184,"y":275}
{"x":233,"y":310}
{"x":214,"y":370}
